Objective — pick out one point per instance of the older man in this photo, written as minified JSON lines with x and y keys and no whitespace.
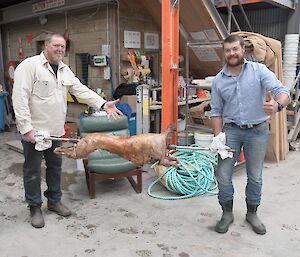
{"x":41,"y":84}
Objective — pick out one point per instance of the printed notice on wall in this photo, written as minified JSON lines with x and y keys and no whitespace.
{"x":151,"y":40}
{"x":206,"y":54}
{"x":132,"y":39}
{"x":47,"y":4}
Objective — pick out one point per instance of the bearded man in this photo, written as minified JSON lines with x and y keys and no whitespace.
{"x":244,"y":94}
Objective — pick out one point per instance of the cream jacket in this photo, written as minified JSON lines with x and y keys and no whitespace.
{"x":40,"y":98}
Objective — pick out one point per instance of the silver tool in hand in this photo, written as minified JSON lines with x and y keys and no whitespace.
{"x":70,"y":140}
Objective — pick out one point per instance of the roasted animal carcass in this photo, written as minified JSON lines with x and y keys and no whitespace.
{"x":140,"y":149}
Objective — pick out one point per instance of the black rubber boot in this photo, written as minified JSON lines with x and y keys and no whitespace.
{"x":251,"y":217}
{"x":36,"y":216}
{"x":59,"y":208}
{"x":226,"y":219}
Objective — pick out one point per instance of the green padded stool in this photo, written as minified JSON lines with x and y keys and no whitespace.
{"x":102,"y":164}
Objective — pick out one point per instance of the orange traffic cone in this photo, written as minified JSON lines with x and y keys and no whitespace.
{"x":241,"y":157}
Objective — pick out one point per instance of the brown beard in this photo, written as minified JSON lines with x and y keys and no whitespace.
{"x":240,"y":61}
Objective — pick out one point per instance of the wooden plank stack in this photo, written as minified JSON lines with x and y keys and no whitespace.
{"x":268,"y":51}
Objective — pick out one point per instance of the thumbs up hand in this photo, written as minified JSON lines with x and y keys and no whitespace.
{"x":270,"y":105}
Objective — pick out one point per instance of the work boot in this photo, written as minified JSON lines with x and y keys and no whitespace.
{"x":36,"y":216}
{"x":251,"y":217}
{"x":226,"y":219}
{"x":59,"y":208}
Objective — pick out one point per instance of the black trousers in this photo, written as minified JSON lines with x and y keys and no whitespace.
{"x":32,"y":173}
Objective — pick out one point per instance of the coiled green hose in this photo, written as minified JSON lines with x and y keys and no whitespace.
{"x":194,"y":175}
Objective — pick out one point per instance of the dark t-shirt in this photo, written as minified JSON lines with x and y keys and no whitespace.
{"x":54,"y":67}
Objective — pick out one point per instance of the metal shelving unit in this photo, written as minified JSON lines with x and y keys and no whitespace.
{"x":189,"y":44}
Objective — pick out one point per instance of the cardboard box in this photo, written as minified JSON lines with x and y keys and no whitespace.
{"x":207,"y":122}
{"x":130,"y":100}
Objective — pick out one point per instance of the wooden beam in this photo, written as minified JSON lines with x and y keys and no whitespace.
{"x":24,"y":10}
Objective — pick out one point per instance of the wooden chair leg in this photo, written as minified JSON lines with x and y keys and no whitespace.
{"x":91,"y":178}
{"x":139,"y":181}
{"x":86,"y":170}
{"x":132,"y":182}
{"x":91,"y":185}
{"x":137,"y":186}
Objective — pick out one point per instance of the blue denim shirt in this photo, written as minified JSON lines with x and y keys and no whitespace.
{"x":240,"y":99}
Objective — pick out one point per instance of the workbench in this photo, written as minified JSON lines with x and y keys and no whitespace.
{"x":155,"y":112}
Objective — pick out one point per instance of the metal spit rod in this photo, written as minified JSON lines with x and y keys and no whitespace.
{"x":179,"y":147}
{"x":71,"y":140}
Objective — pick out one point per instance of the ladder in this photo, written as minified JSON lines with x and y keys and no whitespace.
{"x":295,"y":110}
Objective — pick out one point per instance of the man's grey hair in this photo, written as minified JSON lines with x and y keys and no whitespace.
{"x":51,"y":35}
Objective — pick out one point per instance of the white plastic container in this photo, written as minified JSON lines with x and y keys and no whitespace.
{"x":290,"y":55}
{"x":79,"y":164}
{"x":289,"y":82}
{"x":181,"y":125}
{"x":203,"y":140}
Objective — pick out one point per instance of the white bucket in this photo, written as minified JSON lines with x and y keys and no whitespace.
{"x":79,"y":164}
{"x":289,"y":69}
{"x":289,"y":56}
{"x":289,"y":73}
{"x":292,"y":36}
{"x":181,"y":125}
{"x":290,"y":50}
{"x":289,"y":82}
{"x":289,"y":64}
{"x":203,"y":140}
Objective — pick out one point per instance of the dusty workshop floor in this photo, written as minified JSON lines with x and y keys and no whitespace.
{"x":121,"y":223}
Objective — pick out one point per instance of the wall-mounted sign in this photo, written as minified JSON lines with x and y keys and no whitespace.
{"x":132,"y":39}
{"x":151,"y":40}
{"x":47,"y":4}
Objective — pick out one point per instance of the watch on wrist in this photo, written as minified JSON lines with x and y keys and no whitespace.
{"x":279,"y":107}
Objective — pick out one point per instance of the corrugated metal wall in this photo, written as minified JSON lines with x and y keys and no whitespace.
{"x":271,"y":22}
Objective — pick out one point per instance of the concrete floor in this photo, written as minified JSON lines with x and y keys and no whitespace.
{"x":120,"y":222}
